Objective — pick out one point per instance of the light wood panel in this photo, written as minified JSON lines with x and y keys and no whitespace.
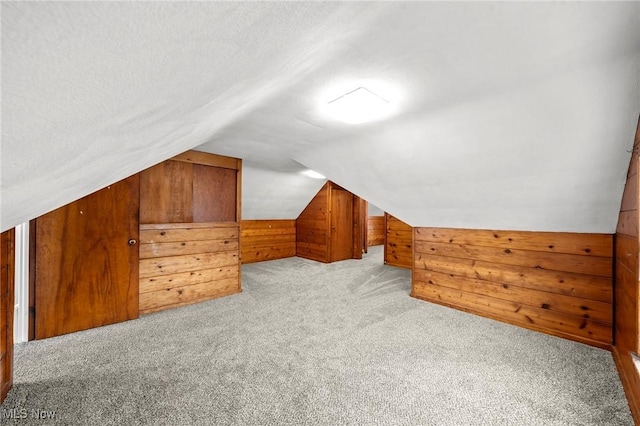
{"x":267,"y":239}
{"x":398,"y":248}
{"x":627,"y":287}
{"x":187,"y":263}
{"x":557,"y":283}
{"x":7,"y":268}
{"x":375,"y":230}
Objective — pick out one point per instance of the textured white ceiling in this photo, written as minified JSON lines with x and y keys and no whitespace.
{"x":510,"y":115}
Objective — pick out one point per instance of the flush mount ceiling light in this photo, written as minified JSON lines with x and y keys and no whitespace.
{"x":359,"y":106}
{"x":313,"y":174}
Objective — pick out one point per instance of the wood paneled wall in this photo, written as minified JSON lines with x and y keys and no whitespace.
{"x":7,"y":268}
{"x":375,"y":230}
{"x":262,"y":240}
{"x":556,"y":283}
{"x":194,"y":187}
{"x":627,"y":292}
{"x":182,"y":264}
{"x":312,"y":228}
{"x":189,"y":230}
{"x":398,"y":248}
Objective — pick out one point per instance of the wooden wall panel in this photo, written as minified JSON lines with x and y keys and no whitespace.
{"x":398,"y":249}
{"x":557,"y":283}
{"x":181,"y":190}
{"x":208,"y":266}
{"x":627,"y":288}
{"x":7,"y":268}
{"x":214,"y":194}
{"x":267,"y":239}
{"x":312,"y":228}
{"x":375,"y":230}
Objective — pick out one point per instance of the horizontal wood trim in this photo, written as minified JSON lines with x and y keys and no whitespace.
{"x":259,"y":224}
{"x":208,"y":159}
{"x":178,"y":235}
{"x":519,"y":313}
{"x":590,"y":265}
{"x":551,"y":242}
{"x":566,"y":283}
{"x":190,"y":225}
{"x":186,"y":247}
{"x":180,"y":296}
{"x":589,"y":309}
{"x":163,"y":282}
{"x":191,"y":262}
{"x":272,"y":233}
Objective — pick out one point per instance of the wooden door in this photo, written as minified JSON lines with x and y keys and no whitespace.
{"x":7,"y":267}
{"x":87,"y":262}
{"x":341,"y":218}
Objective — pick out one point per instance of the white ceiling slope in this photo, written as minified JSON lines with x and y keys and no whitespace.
{"x":510,"y":115}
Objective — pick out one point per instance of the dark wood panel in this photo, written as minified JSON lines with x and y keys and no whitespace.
{"x":565,"y":290}
{"x":214,"y":194}
{"x":263,"y":240}
{"x":626,"y":296}
{"x":375,"y":230}
{"x":551,"y":242}
{"x":398,"y":250}
{"x":7,"y":268}
{"x":86,"y":271}
{"x":166,"y":193}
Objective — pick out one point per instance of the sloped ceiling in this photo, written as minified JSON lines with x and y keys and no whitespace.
{"x":509,"y":115}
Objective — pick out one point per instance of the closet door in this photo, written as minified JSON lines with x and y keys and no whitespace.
{"x":341,"y":224}
{"x":86,"y":256}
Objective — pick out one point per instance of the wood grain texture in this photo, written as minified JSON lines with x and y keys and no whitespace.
{"x":627,"y":286}
{"x":342,"y":220}
{"x":187,"y":263}
{"x":194,"y":187}
{"x":557,"y":283}
{"x":207,"y":159}
{"x":267,"y":239}
{"x":375,"y":230}
{"x":313,"y":228}
{"x":86,"y":270}
{"x":398,"y":249}
{"x":7,"y":268}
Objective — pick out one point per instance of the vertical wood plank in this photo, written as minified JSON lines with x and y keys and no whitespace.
{"x":214,"y":194}
{"x":7,"y":268}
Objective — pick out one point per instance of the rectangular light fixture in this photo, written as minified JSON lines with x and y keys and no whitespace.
{"x":359,"y":106}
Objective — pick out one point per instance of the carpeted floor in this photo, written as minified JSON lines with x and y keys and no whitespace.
{"x":314,"y":344}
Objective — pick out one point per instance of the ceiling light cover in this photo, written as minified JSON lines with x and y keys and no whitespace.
{"x":359,"y":106}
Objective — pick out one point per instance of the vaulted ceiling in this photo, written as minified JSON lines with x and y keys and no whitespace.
{"x":508,"y":115}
